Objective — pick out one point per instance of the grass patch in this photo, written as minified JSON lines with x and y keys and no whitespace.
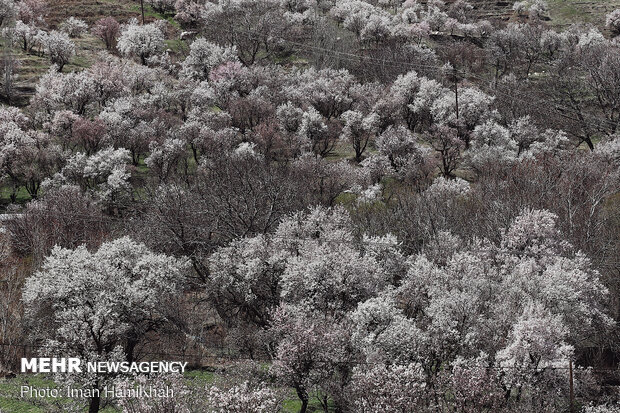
{"x":292,"y":404}
{"x":201,"y":376}
{"x":346,"y":199}
{"x":342,"y":151}
{"x":22,"y":196}
{"x":150,"y":13}
{"x":566,"y":12}
{"x":177,"y":46}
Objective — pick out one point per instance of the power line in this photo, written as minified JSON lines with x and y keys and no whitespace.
{"x":411,"y":65}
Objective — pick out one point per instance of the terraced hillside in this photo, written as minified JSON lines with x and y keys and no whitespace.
{"x":91,"y":10}
{"x":494,"y":9}
{"x":561,"y":12}
{"x":32,"y":66}
{"x":565,"y":12}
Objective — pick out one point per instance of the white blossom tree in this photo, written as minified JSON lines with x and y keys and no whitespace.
{"x":329,"y":91}
{"x":251,"y":26}
{"x":59,"y":48}
{"x":32,"y":11}
{"x":313,"y":132}
{"x":613,"y":21}
{"x":407,"y":388}
{"x":401,"y":149}
{"x":413,"y":96}
{"x":8,"y":10}
{"x":140,"y":41}
{"x":99,"y":305}
{"x":26,"y":34}
{"x":491,"y":143}
{"x":74,"y":27}
{"x":204,"y":56}
{"x":309,"y":349}
{"x":104,"y":174}
{"x":162,"y":6}
{"x":164,"y":158}
{"x":243,"y":398}
{"x":26,"y":156}
{"x":535,"y":347}
{"x":358,"y":130}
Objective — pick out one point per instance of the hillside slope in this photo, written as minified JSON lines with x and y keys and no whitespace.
{"x":562,"y":13}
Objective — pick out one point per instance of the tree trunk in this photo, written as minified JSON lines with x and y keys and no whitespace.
{"x":129,"y":349}
{"x":303,"y":396}
{"x":13,"y":195}
{"x":325,"y":404}
{"x":95,"y":401}
{"x":456,"y":96}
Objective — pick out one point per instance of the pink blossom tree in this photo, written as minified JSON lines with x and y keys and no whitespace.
{"x":108,"y":30}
